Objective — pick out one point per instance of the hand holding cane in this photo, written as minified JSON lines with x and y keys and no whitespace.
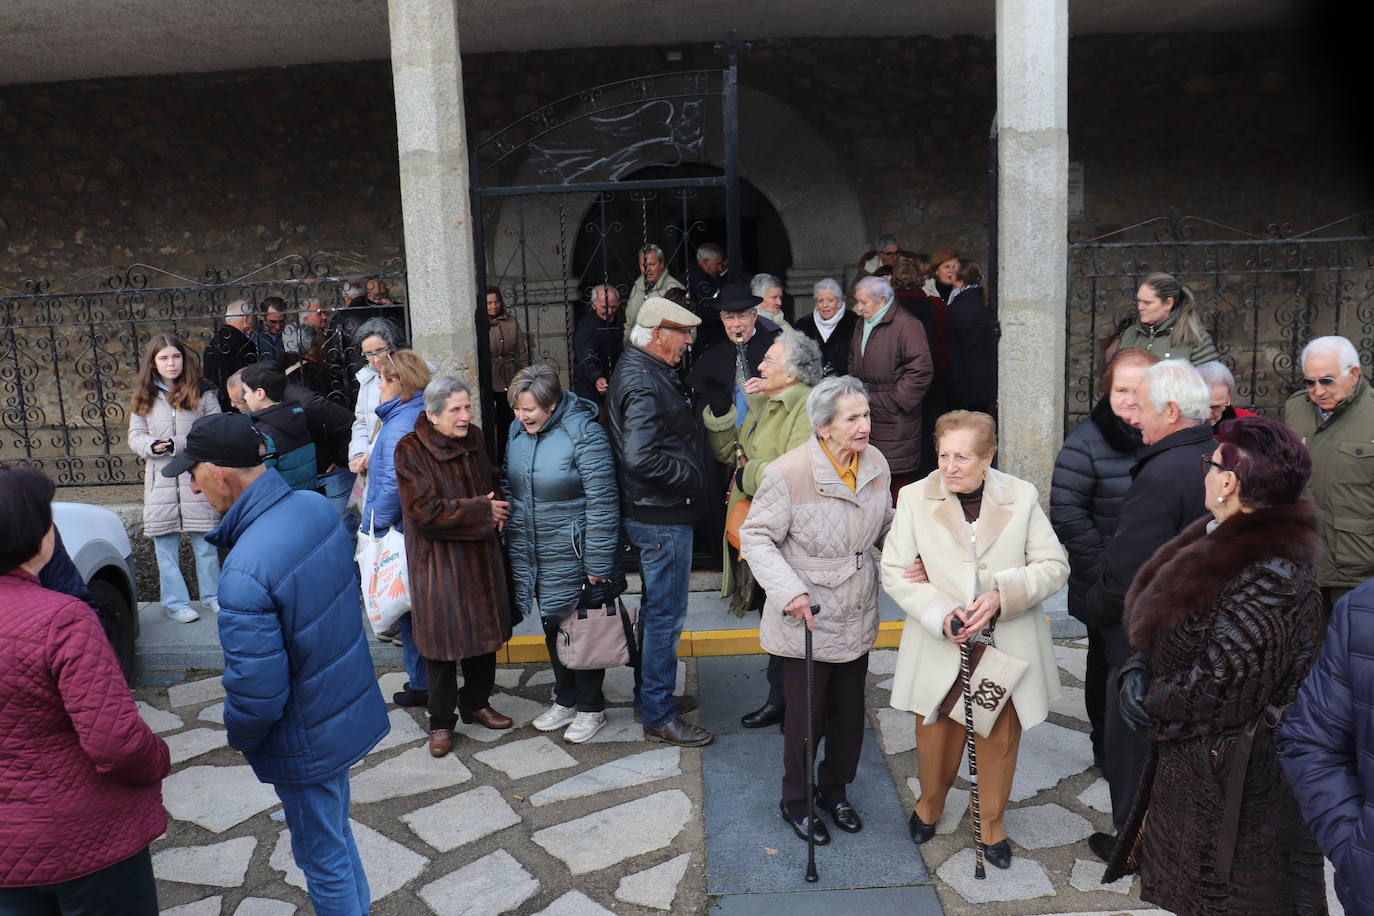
{"x":811,"y":874}
{"x":966,"y":676}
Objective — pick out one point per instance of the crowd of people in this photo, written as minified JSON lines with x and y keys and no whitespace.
{"x":1217,"y":559}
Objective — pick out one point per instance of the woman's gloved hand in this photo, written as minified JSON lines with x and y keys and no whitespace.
{"x":1134,"y":683}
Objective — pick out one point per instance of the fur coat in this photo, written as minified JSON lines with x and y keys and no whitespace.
{"x":1226,"y":623}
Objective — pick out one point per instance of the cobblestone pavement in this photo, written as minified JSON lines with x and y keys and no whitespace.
{"x":521,"y":822}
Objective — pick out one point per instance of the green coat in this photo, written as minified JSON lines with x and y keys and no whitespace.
{"x":1342,"y":484}
{"x":772,"y":427}
{"x":1154,"y":338}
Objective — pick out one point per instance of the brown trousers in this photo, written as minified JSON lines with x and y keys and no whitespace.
{"x":939,"y":751}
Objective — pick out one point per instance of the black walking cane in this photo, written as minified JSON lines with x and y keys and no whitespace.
{"x":966,"y":675}
{"x":810,"y":761}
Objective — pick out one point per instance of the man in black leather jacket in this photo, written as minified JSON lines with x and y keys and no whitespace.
{"x":662,"y":466}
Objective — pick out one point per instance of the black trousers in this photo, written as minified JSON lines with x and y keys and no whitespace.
{"x":775,"y":691}
{"x":123,"y":889}
{"x":479,"y":677}
{"x":1123,"y":750}
{"x":579,"y":689}
{"x":837,"y":692}
{"x":1095,"y":689}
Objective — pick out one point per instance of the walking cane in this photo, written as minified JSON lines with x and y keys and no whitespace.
{"x":966,"y":675}
{"x":811,"y":875}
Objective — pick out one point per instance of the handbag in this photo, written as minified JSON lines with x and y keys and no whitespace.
{"x":357,"y":497}
{"x":995,"y":675}
{"x":385,"y":578}
{"x":593,"y":638}
{"x":735,"y":518}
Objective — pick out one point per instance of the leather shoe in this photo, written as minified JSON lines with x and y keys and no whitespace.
{"x":681,"y":706}
{"x":766,"y":715}
{"x":1102,"y":845}
{"x":998,"y":854}
{"x":487,"y":717}
{"x":921,"y":832}
{"x":841,"y":812}
{"x":679,"y":732}
{"x":440,"y":742}
{"x":801,"y":824}
{"x":409,"y":698}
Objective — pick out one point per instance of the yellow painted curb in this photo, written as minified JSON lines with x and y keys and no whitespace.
{"x":697,"y":643}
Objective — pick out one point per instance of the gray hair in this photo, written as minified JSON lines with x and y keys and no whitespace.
{"x":603,"y":289}
{"x":1175,"y":380}
{"x":829,"y":284}
{"x":641,"y":336}
{"x":801,"y":356}
{"x":762,"y":283}
{"x":235,"y":380}
{"x":824,"y":399}
{"x":709,"y":252}
{"x":651,"y":248}
{"x":440,"y":389}
{"x":1216,"y":373}
{"x":885,"y":240}
{"x":352,"y":290}
{"x":875,"y":286}
{"x":539,"y":382}
{"x":378,"y":327}
{"x":1339,"y":347}
{"x":239,"y":308}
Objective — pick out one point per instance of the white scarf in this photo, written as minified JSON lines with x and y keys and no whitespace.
{"x":827,"y":327}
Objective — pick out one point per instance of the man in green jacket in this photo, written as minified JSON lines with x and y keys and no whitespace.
{"x":1335,"y":417}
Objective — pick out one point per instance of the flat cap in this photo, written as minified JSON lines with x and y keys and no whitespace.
{"x":657,"y":312}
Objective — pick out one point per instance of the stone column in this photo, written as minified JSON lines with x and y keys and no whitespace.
{"x":431,"y":134}
{"x":1032,"y":226}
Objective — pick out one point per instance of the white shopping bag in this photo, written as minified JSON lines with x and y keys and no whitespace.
{"x":385,"y":579}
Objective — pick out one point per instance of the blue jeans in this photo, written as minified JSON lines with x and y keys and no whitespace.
{"x":410,"y":656}
{"x":337,"y":485}
{"x":174,"y":592}
{"x":322,"y":842}
{"x":665,"y":565}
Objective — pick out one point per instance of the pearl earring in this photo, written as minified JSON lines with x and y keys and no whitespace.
{"x":1221,"y":500}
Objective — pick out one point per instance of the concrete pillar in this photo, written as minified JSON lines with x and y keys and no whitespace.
{"x":431,"y":135}
{"x":1032,"y":227}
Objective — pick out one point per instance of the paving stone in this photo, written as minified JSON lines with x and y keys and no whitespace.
{"x":885,"y":685}
{"x":897,"y":730}
{"x":1043,"y":826}
{"x":208,"y":906}
{"x":956,"y":806}
{"x":409,"y":773}
{"x":618,"y":833}
{"x":1333,"y":902}
{"x":1117,"y":913}
{"x":1070,"y":703}
{"x":1074,"y":661}
{"x":495,"y":883}
{"x":218,"y":864}
{"x":448,"y":824}
{"x":264,"y":906}
{"x":194,"y":742}
{"x":620,"y":726}
{"x":193,"y":692}
{"x":654,"y":887}
{"x":1097,"y":796}
{"x":1049,"y":754}
{"x":1080,"y":643}
{"x":1087,"y":876}
{"x":542,"y":676}
{"x":159,"y":720}
{"x":521,"y":710}
{"x":573,"y":903}
{"x":391,"y":682}
{"x":882,"y":661}
{"x":1025,"y":879}
{"x":508,"y":677}
{"x":388,"y":864}
{"x":619,"y":686}
{"x":634,"y":770}
{"x":216,"y":798}
{"x":527,"y":757}
{"x":404,"y":730}
{"x":213,"y":714}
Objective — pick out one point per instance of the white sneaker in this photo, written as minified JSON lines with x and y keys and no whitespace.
{"x":555,"y":717}
{"x":212,"y":605}
{"x":182,"y":614}
{"x":584,"y":726}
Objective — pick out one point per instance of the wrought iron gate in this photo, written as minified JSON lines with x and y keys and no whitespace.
{"x":1261,"y":297}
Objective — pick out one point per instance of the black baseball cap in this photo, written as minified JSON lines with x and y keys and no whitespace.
{"x":226,"y":439}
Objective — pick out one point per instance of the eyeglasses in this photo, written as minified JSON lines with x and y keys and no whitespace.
{"x":770,"y":361}
{"x":891,"y":254}
{"x":376,"y":354}
{"x":1326,"y":381}
{"x":1207,"y":465}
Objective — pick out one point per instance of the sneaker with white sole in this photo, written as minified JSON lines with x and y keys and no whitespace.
{"x":555,"y":717}
{"x":185,"y":614}
{"x":212,"y":605}
{"x":584,"y":726}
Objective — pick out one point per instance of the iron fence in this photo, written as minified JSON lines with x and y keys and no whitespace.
{"x":69,"y":355}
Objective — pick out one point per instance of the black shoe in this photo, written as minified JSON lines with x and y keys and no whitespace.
{"x":676,"y":731}
{"x":998,"y":854}
{"x":921,"y":832}
{"x":766,"y":715}
{"x":407,"y":697}
{"x":1102,"y":845}
{"x":841,"y":812}
{"x":801,"y":824}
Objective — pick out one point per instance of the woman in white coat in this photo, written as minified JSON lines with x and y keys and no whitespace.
{"x":989,"y":557}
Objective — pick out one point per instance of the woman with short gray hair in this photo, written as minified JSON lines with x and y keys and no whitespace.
{"x":769,"y":288}
{"x":830,"y":325}
{"x":775,"y":422}
{"x":1221,"y":387}
{"x":564,"y":531}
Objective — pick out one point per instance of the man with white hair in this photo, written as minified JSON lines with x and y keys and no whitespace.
{"x":1166,"y":496}
{"x":1335,"y":417}
{"x":231,"y":348}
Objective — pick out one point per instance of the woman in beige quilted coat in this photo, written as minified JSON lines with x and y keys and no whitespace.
{"x":810,"y":540}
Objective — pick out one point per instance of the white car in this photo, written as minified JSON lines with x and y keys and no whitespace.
{"x":95,"y":539}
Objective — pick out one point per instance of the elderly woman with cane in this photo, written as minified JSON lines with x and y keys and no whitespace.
{"x":810,"y":539}
{"x":988,"y":558}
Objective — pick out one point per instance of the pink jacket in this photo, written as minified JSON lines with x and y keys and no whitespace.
{"x":80,"y":772}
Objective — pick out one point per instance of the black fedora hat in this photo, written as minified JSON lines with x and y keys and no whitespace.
{"x":736,"y":297}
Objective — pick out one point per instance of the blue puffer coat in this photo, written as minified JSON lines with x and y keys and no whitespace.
{"x":565,"y":508}
{"x":301,"y":701}
{"x":1327,"y":748}
{"x":382,"y":508}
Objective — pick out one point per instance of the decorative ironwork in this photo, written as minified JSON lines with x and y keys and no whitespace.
{"x":69,"y":355}
{"x":1262,"y":297}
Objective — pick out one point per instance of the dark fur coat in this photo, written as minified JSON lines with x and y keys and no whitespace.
{"x":1226,"y":623}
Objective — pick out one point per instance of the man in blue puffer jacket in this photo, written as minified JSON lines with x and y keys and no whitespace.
{"x":1327,"y":748}
{"x":301,"y":698}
